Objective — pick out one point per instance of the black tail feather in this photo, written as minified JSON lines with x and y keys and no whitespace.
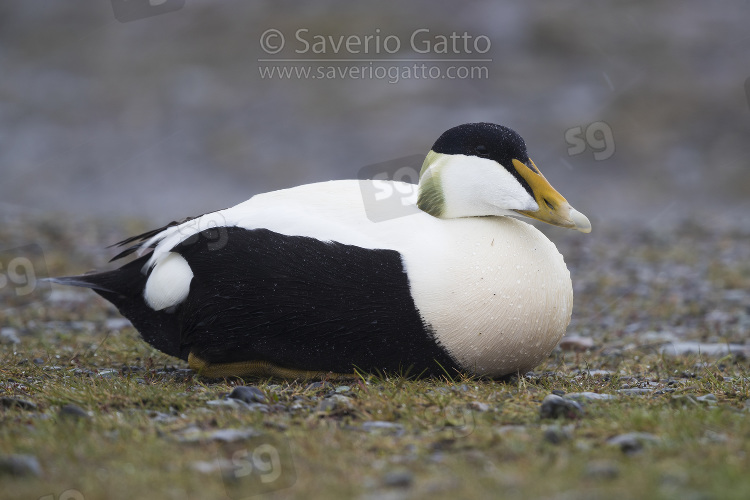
{"x":127,"y":280}
{"x":123,"y":287}
{"x":80,"y":281}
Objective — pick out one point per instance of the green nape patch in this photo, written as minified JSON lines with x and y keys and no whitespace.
{"x":431,"y":198}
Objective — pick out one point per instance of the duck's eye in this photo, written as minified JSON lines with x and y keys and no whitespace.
{"x":481,"y":150}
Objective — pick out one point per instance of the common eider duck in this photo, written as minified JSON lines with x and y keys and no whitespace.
{"x":427,"y":280}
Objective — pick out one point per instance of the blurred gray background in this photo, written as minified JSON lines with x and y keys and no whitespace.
{"x":168,"y":115}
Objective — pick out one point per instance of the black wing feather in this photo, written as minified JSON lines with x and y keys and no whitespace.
{"x":140,"y":238}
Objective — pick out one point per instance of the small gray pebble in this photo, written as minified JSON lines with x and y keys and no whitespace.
{"x":666,"y":390}
{"x":635,"y":391}
{"x":708,"y":398}
{"x":10,"y":402}
{"x":236,"y":403}
{"x":632,"y":442}
{"x":248,"y":394}
{"x":398,"y":479}
{"x":157,"y":416}
{"x":479,"y":406}
{"x":20,"y":465}
{"x":589,"y":396}
{"x":555,"y":435}
{"x":343,"y":388}
{"x":576,"y":343}
{"x":715,"y":437}
{"x":116,"y":323}
{"x":9,"y":335}
{"x":327,"y":405}
{"x":602,"y":469}
{"x":383,"y":426}
{"x":553,"y":406}
{"x":231,"y":403}
{"x":231,"y":435}
{"x":263,"y":408}
{"x":319,"y":386}
{"x":72,"y":411}
{"x":334,"y":402}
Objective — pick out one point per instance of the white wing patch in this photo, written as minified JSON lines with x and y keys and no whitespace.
{"x":173,"y":236}
{"x":169,"y":282}
{"x":328,"y":211}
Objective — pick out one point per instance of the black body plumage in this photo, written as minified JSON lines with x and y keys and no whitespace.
{"x":294,"y":301}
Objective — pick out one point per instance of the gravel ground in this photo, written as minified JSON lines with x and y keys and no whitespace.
{"x":646,"y":397}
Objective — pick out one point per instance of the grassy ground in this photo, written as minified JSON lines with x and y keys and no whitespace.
{"x":149,"y":428}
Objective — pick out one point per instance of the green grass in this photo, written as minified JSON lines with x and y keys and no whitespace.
{"x":475,"y":438}
{"x":151,"y":423}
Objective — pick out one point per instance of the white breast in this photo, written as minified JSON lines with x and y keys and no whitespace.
{"x":498,"y":294}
